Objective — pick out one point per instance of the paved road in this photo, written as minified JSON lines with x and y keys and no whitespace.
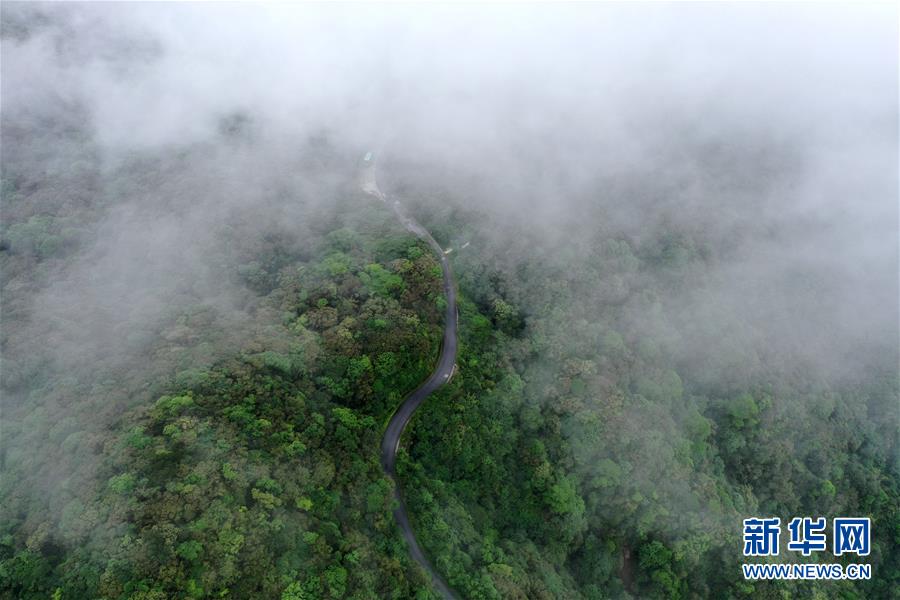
{"x":441,"y":374}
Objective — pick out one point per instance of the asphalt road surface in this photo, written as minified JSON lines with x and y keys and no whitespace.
{"x":441,"y":375}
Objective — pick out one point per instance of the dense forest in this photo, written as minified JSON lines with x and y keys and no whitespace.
{"x":576,"y":456}
{"x":204,"y":338}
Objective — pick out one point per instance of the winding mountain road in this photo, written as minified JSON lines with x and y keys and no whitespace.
{"x":441,"y":375}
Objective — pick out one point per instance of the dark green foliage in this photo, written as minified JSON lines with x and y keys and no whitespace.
{"x":577,"y":452}
{"x":254,"y":476}
{"x":578,"y":457}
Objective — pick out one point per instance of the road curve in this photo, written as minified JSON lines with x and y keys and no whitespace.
{"x":390,"y":443}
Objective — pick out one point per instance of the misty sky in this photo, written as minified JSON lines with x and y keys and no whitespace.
{"x":771,"y":128}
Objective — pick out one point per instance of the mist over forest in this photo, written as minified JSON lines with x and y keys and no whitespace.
{"x":674,"y":233}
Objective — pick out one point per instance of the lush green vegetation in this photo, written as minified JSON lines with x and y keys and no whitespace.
{"x":258,"y":476}
{"x":223,"y":453}
{"x":573,"y":456}
{"x":224,"y":442}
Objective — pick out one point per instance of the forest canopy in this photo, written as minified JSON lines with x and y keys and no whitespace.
{"x":674,"y":248}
